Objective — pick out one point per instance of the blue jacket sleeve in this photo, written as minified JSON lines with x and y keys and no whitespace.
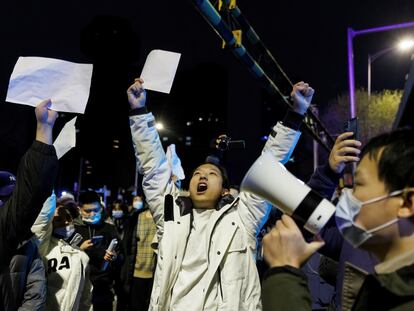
{"x":324,"y":181}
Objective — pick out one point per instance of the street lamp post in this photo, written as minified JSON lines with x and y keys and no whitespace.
{"x":404,"y":45}
{"x":371,"y":59}
{"x":351,"y":35}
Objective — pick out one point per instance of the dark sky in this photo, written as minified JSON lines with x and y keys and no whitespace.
{"x":308,"y":39}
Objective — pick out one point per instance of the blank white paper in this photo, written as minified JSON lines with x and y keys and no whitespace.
{"x":159,"y":70}
{"x":35,"y":79}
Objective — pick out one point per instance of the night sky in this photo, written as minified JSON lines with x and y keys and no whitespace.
{"x":308,"y":39}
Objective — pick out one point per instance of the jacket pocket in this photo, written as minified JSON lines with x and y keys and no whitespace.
{"x":234,"y":264}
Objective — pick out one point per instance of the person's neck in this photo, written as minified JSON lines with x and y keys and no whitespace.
{"x":393,"y":249}
{"x":204,"y":205}
{"x":200,"y":208}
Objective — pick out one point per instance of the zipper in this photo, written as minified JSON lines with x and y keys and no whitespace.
{"x":219,"y":280}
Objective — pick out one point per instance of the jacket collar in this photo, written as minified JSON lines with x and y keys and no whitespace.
{"x":396,"y":263}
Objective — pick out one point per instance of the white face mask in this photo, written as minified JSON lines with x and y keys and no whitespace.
{"x":138,"y":205}
{"x":64,"y":232}
{"x":348,"y":208}
{"x":117,"y":214}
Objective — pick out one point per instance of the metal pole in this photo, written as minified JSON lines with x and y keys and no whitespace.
{"x":208,"y":11}
{"x":369,"y":78}
{"x":79,"y":179}
{"x":351,"y":74}
{"x":136,"y":179}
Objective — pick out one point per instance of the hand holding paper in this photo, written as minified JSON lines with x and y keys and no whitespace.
{"x":159,"y":70}
{"x":36,"y":78}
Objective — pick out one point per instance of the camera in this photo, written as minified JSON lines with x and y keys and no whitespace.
{"x":224,"y":143}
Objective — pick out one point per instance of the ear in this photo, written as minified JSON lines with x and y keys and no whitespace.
{"x":407,"y":207}
{"x":224,"y":192}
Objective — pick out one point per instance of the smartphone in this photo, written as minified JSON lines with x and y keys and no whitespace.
{"x":110,"y":248}
{"x":97,"y":239}
{"x":112,"y":245}
{"x":352,"y":126}
{"x":76,"y":239}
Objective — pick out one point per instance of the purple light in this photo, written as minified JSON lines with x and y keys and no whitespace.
{"x":351,"y":75}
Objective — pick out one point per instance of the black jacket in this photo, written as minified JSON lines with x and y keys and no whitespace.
{"x":285,"y":288}
{"x":102,"y":281}
{"x":35,"y":178}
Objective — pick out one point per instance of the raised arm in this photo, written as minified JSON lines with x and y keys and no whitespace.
{"x":43,"y":226}
{"x":151,"y":159}
{"x":326,"y":177}
{"x":281,"y":143}
{"x":35,"y":177}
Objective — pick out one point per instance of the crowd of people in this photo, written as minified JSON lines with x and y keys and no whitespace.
{"x":197,"y":249}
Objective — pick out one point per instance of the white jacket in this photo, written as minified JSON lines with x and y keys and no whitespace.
{"x":68,"y":284}
{"x":232,"y":231}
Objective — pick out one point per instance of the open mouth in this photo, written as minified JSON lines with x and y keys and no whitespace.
{"x":201,"y":188}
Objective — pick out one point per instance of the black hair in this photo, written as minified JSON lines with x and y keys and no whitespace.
{"x":122,"y":206}
{"x":89,"y":197}
{"x":70,"y":205}
{"x":65,"y":210}
{"x":225,"y":184}
{"x":394,"y":154}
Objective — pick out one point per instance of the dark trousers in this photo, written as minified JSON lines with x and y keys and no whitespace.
{"x":102,"y":298}
{"x":140,"y":294}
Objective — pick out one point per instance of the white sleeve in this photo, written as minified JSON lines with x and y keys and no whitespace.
{"x":253,"y":210}
{"x":153,"y":165}
{"x":42,"y":226}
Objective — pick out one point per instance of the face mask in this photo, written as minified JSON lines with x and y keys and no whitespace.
{"x":348,"y":208}
{"x":64,"y":232}
{"x":117,"y":214}
{"x":91,"y":220}
{"x":138,"y":205}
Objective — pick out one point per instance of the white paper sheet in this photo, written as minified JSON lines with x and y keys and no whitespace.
{"x":34,"y":79}
{"x":66,"y":139}
{"x":174,"y":162}
{"x":159,"y":70}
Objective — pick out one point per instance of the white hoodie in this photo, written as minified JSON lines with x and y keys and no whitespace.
{"x":68,"y":284}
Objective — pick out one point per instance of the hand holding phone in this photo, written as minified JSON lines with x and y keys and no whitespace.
{"x":352,"y":126}
{"x":96,"y":239}
{"x":108,"y":258}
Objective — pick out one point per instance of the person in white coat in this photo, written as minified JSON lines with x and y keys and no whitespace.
{"x":68,"y":284}
{"x":206,"y":251}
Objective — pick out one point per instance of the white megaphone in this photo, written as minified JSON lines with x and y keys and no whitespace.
{"x":270,"y":180}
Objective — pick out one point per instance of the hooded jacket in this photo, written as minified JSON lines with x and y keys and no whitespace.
{"x":231,"y":231}
{"x":68,"y":284}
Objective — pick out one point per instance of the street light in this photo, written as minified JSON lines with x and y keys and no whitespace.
{"x":351,"y":34}
{"x":403,"y":46}
{"x":159,"y":126}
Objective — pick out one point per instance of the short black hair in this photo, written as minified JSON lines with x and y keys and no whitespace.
{"x":225,"y":184}
{"x":89,"y":197}
{"x":394,"y":154}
